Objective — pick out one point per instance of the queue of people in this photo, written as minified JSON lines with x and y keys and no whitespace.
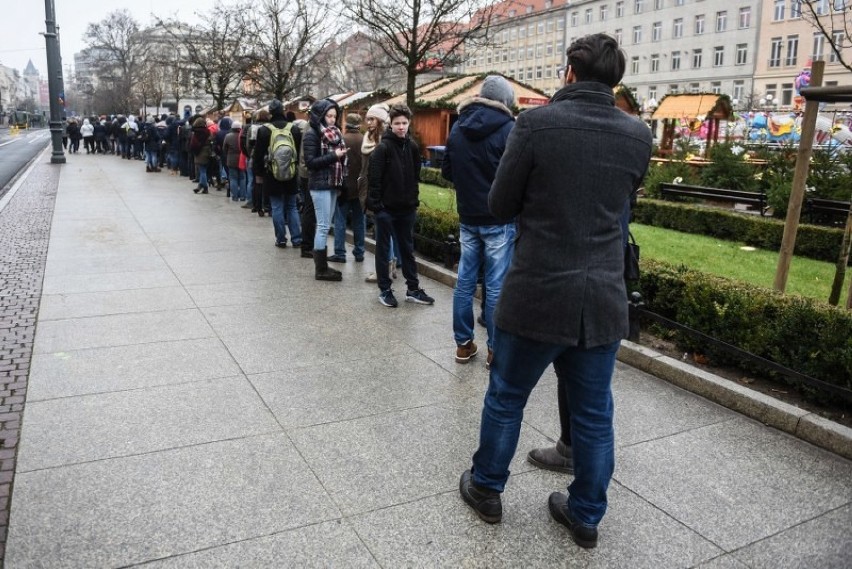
{"x":541,"y":202}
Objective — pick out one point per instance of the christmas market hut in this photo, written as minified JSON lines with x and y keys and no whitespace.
{"x":692,"y":110}
{"x":625,"y":100}
{"x":436,"y":105}
{"x":240,"y":109}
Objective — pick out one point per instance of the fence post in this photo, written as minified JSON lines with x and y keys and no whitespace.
{"x":450,"y":247}
{"x":634,"y":304}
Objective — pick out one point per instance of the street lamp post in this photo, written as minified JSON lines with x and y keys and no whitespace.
{"x":54,"y":82}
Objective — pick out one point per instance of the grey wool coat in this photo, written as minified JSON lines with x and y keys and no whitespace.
{"x":567,"y":173}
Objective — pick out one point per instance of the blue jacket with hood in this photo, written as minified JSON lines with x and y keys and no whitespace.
{"x":473,"y":152}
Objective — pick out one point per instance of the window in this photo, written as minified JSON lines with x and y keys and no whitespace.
{"x":529,"y":73}
{"x":560,"y":46}
{"x":819,"y":44}
{"x":716,"y":87}
{"x":778,"y":14}
{"x":504,"y":57}
{"x":530,"y":30}
{"x":786,"y":94}
{"x":770,"y":91}
{"x":795,"y":9}
{"x":619,"y":36}
{"x":792,"y":50}
{"x":619,"y":9}
{"x":634,"y":65}
{"x":637,"y":6}
{"x":699,"y":24}
{"x":549,"y":49}
{"x":675,"y":60}
{"x":655,"y":62}
{"x":656,"y":31}
{"x":511,"y":55}
{"x":548,"y":4}
{"x":696,"y":58}
{"x":721,"y":21}
{"x":548,"y":72}
{"x":540,"y":28}
{"x":673,"y":89}
{"x":574,"y":17}
{"x":775,"y":52}
{"x":718,"y":56}
{"x":488,"y":58}
{"x":739,"y":89}
{"x":588,"y":18}
{"x":530,"y":52}
{"x":550,"y":26}
{"x":745,"y":17}
{"x":521,"y":52}
{"x":742,"y":53}
{"x":539,"y":51}
{"x":837,"y":40}
{"x":658,"y":4}
{"x":522,"y":32}
{"x":604,"y":13}
{"x":652,"y":92}
{"x":677,"y":29}
{"x":839,"y":5}
{"x":694,"y":88}
{"x":539,"y":72}
{"x":560,"y":24}
{"x":637,"y":34}
{"x":821,"y":7}
{"x":513,"y":35}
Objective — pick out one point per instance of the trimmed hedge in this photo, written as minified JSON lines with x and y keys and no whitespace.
{"x":808,"y":336}
{"x":812,"y":241}
{"x":433,"y":176}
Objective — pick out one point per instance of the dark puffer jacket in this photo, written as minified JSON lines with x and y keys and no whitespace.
{"x":319,"y":164}
{"x":473,"y":153}
{"x":394,"y":175}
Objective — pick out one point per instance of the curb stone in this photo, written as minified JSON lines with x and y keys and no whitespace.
{"x":800,"y":423}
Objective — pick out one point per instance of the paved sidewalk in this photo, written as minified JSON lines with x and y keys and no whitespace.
{"x":196,"y":399}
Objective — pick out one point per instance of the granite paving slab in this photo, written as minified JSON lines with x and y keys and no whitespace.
{"x":442,"y":531}
{"x":96,"y":265}
{"x":736,"y":482}
{"x":103,"y":370}
{"x":320,"y":546}
{"x":71,"y":284}
{"x":108,"y":425}
{"x":120,"y":330}
{"x":129,"y":510}
{"x":382,"y":460}
{"x":80,"y":305}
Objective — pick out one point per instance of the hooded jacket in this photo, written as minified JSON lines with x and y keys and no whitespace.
{"x":199,"y":143}
{"x":224,"y":129}
{"x":87,"y":129}
{"x":271,"y":186}
{"x":567,"y":173}
{"x":231,"y":148}
{"x":394,"y":175}
{"x":474,"y":148}
{"x":318,"y":164}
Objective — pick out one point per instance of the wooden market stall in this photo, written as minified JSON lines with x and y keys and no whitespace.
{"x":625,"y":100}
{"x":240,"y":109}
{"x":436,"y":105}
{"x":700,"y":106}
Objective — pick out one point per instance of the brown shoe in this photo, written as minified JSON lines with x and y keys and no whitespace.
{"x":558,"y":458}
{"x":466,"y":351}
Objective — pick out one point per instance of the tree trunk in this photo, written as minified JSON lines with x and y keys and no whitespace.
{"x":410,"y":85}
{"x":842,"y":261}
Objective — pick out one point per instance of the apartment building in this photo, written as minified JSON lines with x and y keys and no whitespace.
{"x":528,"y":43}
{"x":788,"y":43}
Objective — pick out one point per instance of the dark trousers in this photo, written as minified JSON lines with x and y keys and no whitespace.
{"x":308,"y":217}
{"x":400,"y":226}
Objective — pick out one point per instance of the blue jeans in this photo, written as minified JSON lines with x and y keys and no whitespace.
{"x":587,"y":375}
{"x":324,"y":204}
{"x":359,"y":227}
{"x":237,"y":183}
{"x":202,"y":175}
{"x":493,"y":245}
{"x":285,"y":215}
{"x":249,"y":182}
{"x":151,"y":159}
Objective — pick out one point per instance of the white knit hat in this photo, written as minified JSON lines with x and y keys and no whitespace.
{"x":380,"y":112}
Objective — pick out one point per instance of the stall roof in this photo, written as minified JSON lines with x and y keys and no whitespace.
{"x":708,"y":105}
{"x":451,"y":91}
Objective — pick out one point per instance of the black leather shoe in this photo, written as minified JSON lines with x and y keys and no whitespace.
{"x":558,"y":458}
{"x":583,"y":536}
{"x":486,"y":503}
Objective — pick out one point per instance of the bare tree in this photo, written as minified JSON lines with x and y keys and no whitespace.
{"x":419,"y":35}
{"x":215,"y":49}
{"x":833,"y":19}
{"x":286,"y":40}
{"x":116,"y":48}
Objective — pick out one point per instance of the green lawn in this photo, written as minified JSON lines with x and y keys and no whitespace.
{"x":727,"y":259}
{"x":723,"y":258}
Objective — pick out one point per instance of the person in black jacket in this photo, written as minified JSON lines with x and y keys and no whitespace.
{"x":393,"y":197}
{"x":282,"y":195}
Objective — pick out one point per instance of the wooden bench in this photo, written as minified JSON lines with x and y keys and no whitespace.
{"x":757,"y":199}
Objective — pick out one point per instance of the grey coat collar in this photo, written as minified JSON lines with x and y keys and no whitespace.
{"x":487,"y":102}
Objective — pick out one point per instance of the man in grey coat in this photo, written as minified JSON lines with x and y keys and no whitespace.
{"x":567,"y":173}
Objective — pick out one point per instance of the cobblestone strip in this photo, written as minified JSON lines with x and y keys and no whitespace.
{"x":24,"y":234}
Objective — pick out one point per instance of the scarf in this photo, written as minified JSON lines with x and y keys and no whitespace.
{"x":368,"y":145}
{"x":331,"y":140}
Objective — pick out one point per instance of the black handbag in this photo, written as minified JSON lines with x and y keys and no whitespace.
{"x":631,"y":259}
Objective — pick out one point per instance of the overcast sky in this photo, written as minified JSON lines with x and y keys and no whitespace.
{"x":23,"y":20}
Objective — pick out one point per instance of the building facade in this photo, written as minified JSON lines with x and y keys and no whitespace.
{"x":789,"y":43}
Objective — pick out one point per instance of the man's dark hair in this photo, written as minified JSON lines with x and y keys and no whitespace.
{"x":597,"y":57}
{"x":290,"y":116}
{"x":399,"y":110}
